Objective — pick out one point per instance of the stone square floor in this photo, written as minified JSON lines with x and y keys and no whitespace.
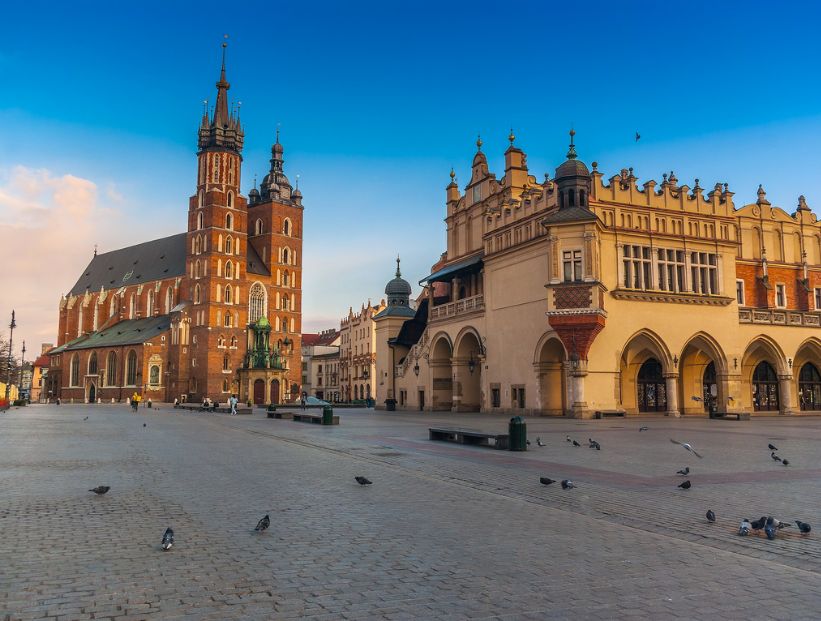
{"x":445,"y":532}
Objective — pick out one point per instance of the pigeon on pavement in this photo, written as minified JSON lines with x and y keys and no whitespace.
{"x":759,"y":523}
{"x":263,"y":524}
{"x":771,"y":447}
{"x":803,"y":527}
{"x":687,"y":446}
{"x":685,"y":485}
{"x":644,"y":428}
{"x":711,"y":516}
{"x":744,"y":528}
{"x":775,"y":457}
{"x":769,"y":528}
{"x":539,"y":441}
{"x":363,"y":481}
{"x":684,"y":471}
{"x":546,"y":480}
{"x":167,"y":539}
{"x":100,"y":489}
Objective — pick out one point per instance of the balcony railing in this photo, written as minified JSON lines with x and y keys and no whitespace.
{"x":779,"y":317}
{"x":466,"y":305}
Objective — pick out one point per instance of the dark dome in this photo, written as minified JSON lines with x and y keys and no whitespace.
{"x":398,"y":286}
{"x":572,"y":168}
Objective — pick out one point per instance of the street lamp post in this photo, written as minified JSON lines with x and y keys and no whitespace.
{"x":12,"y":326}
{"x":22,"y":364}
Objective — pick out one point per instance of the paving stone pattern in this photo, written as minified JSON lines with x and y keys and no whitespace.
{"x":445,"y":532}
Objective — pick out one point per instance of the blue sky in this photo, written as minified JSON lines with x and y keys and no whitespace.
{"x":376,"y":102}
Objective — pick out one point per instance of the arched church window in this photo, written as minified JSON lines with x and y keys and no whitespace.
{"x":256,"y":302}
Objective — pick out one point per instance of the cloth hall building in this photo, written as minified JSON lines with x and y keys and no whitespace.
{"x":210,"y":312}
{"x":583,"y":294}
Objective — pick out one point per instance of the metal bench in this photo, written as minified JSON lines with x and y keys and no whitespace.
{"x":473,"y":438}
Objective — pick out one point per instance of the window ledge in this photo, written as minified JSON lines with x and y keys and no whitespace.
{"x":671,"y":298}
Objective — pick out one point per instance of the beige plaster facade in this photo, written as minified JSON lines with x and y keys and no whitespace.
{"x":583,"y":294}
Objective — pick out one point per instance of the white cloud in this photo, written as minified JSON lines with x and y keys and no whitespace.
{"x":49,"y":225}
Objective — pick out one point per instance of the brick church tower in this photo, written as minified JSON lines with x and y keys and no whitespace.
{"x":216,"y":251}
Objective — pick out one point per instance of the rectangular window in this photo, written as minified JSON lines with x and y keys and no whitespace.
{"x":739,"y":292}
{"x":781,"y":296}
{"x":704,"y":272}
{"x":572,"y":265}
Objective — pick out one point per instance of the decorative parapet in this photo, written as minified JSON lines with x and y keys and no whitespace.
{"x":779,"y":317}
{"x":671,"y":298}
{"x":472,"y":304}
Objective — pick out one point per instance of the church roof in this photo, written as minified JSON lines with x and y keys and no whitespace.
{"x":128,"y":332}
{"x":152,"y":260}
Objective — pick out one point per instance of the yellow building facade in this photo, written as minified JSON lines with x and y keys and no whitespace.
{"x":582,"y":294}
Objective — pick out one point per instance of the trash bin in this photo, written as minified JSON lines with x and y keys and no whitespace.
{"x":327,"y":415}
{"x":518,"y":434}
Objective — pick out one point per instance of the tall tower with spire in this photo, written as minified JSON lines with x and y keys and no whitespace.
{"x":216,"y":246}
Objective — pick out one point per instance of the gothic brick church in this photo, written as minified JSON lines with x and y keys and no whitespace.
{"x":210,"y":312}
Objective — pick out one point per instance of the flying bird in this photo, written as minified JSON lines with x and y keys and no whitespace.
{"x":684,"y":471}
{"x":775,"y":457}
{"x":771,"y":447}
{"x":744,"y":528}
{"x":568,"y":484}
{"x":685,"y":485}
{"x":167,"y":539}
{"x":100,"y":489}
{"x":711,"y":516}
{"x":539,"y":441}
{"x":687,"y":446}
{"x":363,"y":481}
{"x":546,"y":480}
{"x":263,"y":524}
{"x":803,"y":527}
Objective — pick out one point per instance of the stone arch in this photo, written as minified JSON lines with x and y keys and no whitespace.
{"x":467,"y":366}
{"x":440,"y":360}
{"x":549,"y":360}
{"x":697,"y":395}
{"x":641,"y":347}
{"x":762,"y":348}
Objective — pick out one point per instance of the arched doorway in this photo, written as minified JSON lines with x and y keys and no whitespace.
{"x":709,"y":388}
{"x":652,"y":389}
{"x":467,"y":364}
{"x":441,"y":378}
{"x":276,"y":396}
{"x":92,"y":392}
{"x":259,"y":392}
{"x":552,"y":382}
{"x":765,"y":388}
{"x":809,"y":387}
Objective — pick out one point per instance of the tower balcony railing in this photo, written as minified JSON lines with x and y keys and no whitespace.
{"x":459,"y":307}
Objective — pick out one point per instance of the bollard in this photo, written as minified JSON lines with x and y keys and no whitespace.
{"x":518,"y":434}
{"x":327,"y":415}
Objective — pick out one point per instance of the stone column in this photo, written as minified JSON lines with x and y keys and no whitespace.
{"x":785,"y":404}
{"x":671,"y":380}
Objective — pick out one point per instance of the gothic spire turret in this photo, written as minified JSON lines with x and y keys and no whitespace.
{"x":224,"y":129}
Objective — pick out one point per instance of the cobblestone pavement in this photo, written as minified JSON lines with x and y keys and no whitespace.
{"x":445,"y":532}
